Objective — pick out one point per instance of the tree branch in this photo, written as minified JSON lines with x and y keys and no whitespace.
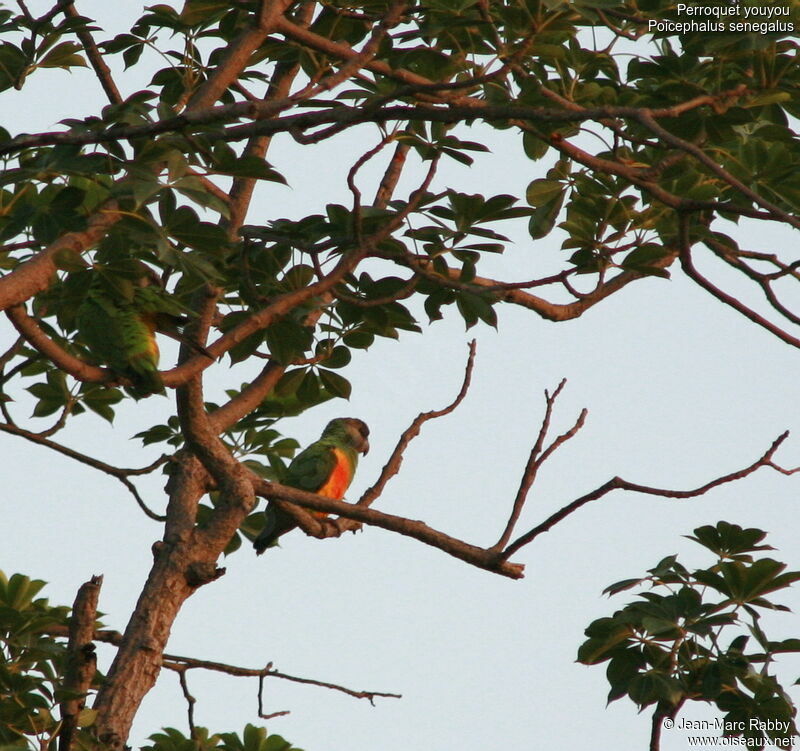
{"x":238,"y":54}
{"x":33,"y":334}
{"x":646,"y":118}
{"x":81,"y":661}
{"x":181,"y":664}
{"x":535,"y":461}
{"x":116,"y":472}
{"x":36,"y":275}
{"x":689,"y":269}
{"x":392,"y":467}
{"x":102,"y":70}
{"x":267,"y":122}
{"x":472,"y":554}
{"x":617,"y":483}
{"x":510,"y":292}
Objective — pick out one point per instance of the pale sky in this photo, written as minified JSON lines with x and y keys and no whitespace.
{"x":679,"y":390}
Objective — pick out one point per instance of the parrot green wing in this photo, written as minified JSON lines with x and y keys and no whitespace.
{"x":121,"y":337}
{"x":312,"y":467}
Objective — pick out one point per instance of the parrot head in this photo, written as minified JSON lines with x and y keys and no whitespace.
{"x":349,"y":430}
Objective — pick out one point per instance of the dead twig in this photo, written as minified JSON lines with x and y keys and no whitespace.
{"x":392,"y":467}
{"x":190,"y":700}
{"x":536,"y":459}
{"x":687,"y":264}
{"x":617,"y":483}
{"x":119,"y":473}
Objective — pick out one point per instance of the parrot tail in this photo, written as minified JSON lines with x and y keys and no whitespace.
{"x":276,"y":523}
{"x":145,"y":379}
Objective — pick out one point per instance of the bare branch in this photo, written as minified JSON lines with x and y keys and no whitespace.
{"x":180,"y":664}
{"x":691,"y":271}
{"x":190,"y":700}
{"x":764,"y":281}
{"x":118,"y":473}
{"x":472,"y":554}
{"x":351,"y":182}
{"x":261,"y":713}
{"x":370,"y":695}
{"x":617,"y":483}
{"x":392,"y":467}
{"x":536,"y":459}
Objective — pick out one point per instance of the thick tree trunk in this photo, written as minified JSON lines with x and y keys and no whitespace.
{"x":183,"y":562}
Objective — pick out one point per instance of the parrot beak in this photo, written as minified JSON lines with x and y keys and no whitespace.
{"x":364,"y":447}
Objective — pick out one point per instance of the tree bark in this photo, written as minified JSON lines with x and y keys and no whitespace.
{"x":182,"y":563}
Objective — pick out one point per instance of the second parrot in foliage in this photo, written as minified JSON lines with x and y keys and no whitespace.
{"x":118,"y":320}
{"x":326,"y":467}
{"x":122,"y":336}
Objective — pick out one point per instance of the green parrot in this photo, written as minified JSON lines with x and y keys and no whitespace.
{"x":326,"y":467}
{"x":118,"y":320}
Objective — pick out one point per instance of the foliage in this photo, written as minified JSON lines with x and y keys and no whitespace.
{"x":32,"y":665}
{"x":32,"y":671}
{"x":252,"y":739}
{"x":648,"y":148}
{"x":686,"y":637}
{"x":614,"y":207}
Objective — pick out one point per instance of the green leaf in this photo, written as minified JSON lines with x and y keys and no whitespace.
{"x":186,"y":227}
{"x":289,"y":382}
{"x":288,"y":340}
{"x":13,"y":63}
{"x":359,"y":339}
{"x":63,"y":55}
{"x":336,"y":357}
{"x":250,"y":166}
{"x":308,"y":390}
{"x":544,"y":217}
{"x":541,"y":191}
{"x":621,"y":586}
{"x":335,"y":384}
{"x":727,"y":539}
{"x":534,"y":146}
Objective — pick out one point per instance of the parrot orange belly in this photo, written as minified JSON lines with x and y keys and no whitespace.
{"x":340,"y":478}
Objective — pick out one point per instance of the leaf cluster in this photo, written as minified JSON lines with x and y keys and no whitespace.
{"x":252,"y":738}
{"x":685,"y":638}
{"x":32,"y":665}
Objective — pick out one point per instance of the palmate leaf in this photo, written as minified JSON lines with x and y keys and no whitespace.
{"x":727,"y":539}
{"x":667,"y":646}
{"x":745,"y":583}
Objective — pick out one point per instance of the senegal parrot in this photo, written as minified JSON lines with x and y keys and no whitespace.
{"x":326,"y":467}
{"x":118,"y":320}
